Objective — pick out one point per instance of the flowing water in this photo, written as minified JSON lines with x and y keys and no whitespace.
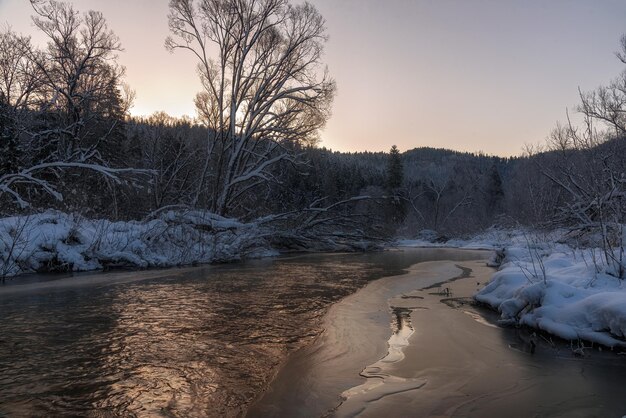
{"x":200,"y":341}
{"x":207,"y":341}
{"x":416,"y":346}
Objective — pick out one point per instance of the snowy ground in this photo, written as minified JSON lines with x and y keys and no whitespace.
{"x":560,"y":290}
{"x":55,"y":241}
{"x":552,"y":287}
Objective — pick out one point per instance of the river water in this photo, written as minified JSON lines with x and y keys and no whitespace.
{"x":200,"y":341}
{"x":416,"y":346}
{"x":207,"y":341}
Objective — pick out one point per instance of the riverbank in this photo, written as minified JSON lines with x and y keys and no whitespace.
{"x":57,"y":242}
{"x":567,"y":292}
{"x":60,"y":242}
{"x":394,"y":349}
{"x":557,"y":282}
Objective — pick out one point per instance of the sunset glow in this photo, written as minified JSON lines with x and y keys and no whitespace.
{"x":477,"y":76}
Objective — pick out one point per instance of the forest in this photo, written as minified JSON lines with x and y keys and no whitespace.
{"x":251,"y":159}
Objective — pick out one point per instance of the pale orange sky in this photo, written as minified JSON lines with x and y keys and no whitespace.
{"x":471,"y":75}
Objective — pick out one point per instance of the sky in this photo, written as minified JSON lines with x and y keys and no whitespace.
{"x":471,"y":75}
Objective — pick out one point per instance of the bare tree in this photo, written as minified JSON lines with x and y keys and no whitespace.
{"x":72,"y":94}
{"x":81,"y":76}
{"x":167,"y":148}
{"x":608,"y":103}
{"x":437,"y":195}
{"x":588,"y":165}
{"x":264,"y":91}
{"x":20,"y":79}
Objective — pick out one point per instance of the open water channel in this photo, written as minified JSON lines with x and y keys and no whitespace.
{"x":209,"y":341}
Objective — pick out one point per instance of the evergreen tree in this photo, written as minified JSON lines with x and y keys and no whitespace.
{"x":394,"y":177}
{"x":395,"y":170}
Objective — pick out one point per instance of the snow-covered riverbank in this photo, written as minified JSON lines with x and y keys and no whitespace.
{"x":59,"y":242}
{"x":569,"y":292}
{"x":563,"y":291}
{"x":55,"y":241}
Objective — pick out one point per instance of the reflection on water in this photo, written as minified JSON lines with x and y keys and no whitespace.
{"x":194,"y":342}
{"x":379,"y":381}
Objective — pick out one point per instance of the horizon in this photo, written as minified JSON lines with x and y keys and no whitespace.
{"x":412,"y":78}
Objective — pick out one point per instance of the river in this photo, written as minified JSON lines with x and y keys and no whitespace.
{"x":208,"y":341}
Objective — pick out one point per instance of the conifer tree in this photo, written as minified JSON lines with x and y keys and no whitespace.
{"x":395,"y":170}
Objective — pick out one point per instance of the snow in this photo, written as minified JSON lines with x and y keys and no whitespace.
{"x":559,"y":290}
{"x":546,"y":284}
{"x":57,"y":241}
{"x":491,"y":239}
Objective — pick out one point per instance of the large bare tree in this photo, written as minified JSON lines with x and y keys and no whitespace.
{"x":587,"y":163}
{"x":65,"y":101}
{"x":265,"y":90}
{"x":20,"y":80}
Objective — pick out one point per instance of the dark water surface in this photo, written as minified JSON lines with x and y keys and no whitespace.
{"x":401,"y":348}
{"x":199,"y":341}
